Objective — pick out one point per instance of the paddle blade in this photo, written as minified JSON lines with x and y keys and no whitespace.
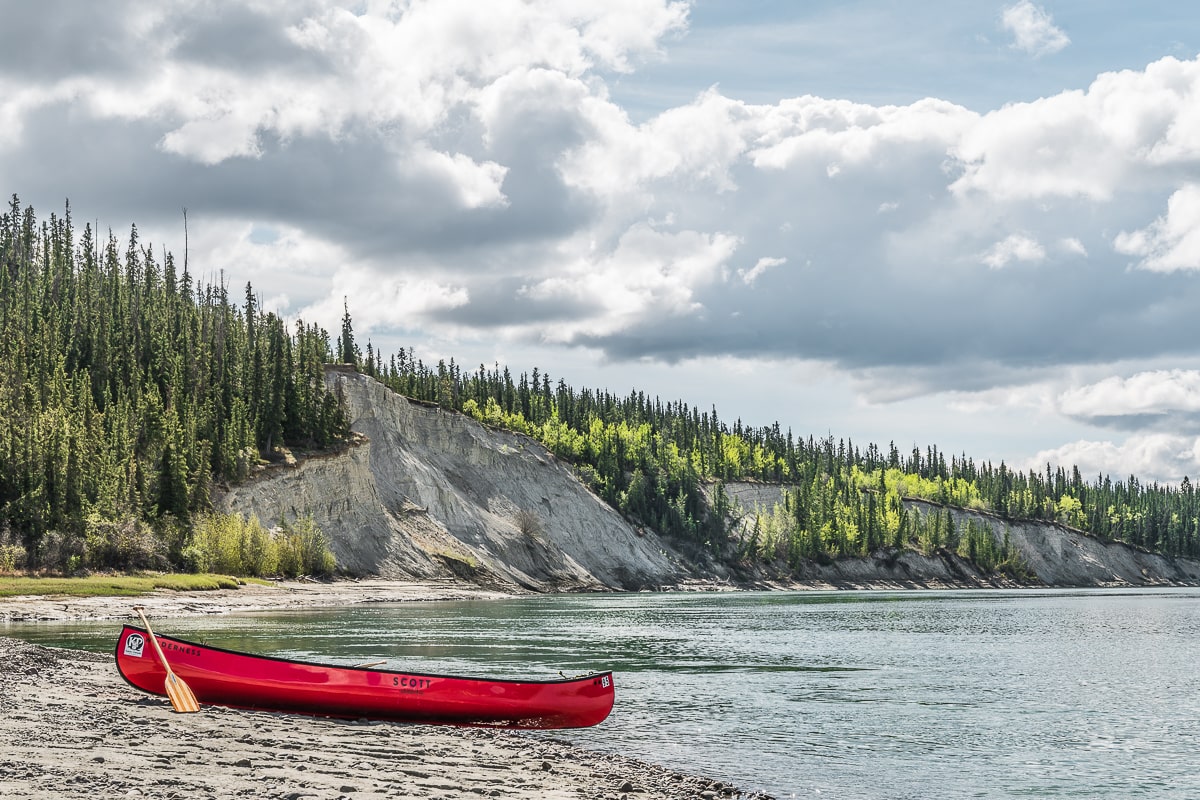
{"x":180,"y":694}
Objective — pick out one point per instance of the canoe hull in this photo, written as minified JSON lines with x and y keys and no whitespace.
{"x":229,"y":678}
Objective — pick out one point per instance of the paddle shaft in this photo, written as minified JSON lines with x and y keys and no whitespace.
{"x":162,"y":659}
{"x":179,"y":693}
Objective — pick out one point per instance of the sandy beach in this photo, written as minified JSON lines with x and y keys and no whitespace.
{"x":72,"y":728}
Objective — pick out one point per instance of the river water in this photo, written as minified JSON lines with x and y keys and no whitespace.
{"x":957,"y":694}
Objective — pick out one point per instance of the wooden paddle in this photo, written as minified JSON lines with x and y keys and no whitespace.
{"x":178,"y":692}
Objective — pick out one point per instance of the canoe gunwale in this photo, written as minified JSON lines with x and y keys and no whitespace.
{"x":325,"y":665}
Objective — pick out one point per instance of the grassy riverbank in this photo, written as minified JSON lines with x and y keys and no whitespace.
{"x":115,"y":585}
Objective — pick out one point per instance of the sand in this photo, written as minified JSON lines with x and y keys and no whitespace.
{"x":250,"y":597}
{"x":70,"y":727}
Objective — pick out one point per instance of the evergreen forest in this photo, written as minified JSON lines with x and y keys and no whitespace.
{"x":129,"y":390}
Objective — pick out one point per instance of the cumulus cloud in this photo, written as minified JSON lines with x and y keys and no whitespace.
{"x":426,"y":137}
{"x":1153,"y":457}
{"x":849,"y":134}
{"x":1033,"y":29}
{"x":404,"y":71}
{"x":385,"y":302}
{"x":648,"y":275}
{"x":1015,"y":247}
{"x":1126,"y":132}
{"x":477,"y":185}
{"x":954,"y":185}
{"x":698,"y":143}
{"x":1073,"y":246}
{"x":1172,"y":242}
{"x":214,"y":139}
{"x":1157,"y":392}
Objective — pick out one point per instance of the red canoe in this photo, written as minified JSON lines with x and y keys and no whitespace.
{"x":228,"y":678}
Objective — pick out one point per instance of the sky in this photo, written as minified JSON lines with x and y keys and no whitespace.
{"x":973,"y":225}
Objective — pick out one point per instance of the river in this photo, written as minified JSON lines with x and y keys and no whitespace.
{"x":955,"y":694}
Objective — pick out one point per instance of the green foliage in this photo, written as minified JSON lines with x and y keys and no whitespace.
{"x":1070,"y":511}
{"x":303,"y":550}
{"x":12,"y":553}
{"x":127,"y":543}
{"x":232,"y":544}
{"x":217,"y":543}
{"x":12,"y":557}
{"x":113,"y":585}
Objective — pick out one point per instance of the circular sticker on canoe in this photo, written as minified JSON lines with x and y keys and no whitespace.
{"x":134,"y":645}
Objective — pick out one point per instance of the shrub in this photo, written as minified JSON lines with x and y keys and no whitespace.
{"x":125,"y":544}
{"x":260,"y":553}
{"x":12,"y":557}
{"x":12,"y":554}
{"x":218,"y":539}
{"x":230,"y":544}
{"x":303,"y":549}
{"x":61,"y":551}
{"x":530,"y":524}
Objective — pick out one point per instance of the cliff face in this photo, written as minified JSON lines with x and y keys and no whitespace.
{"x":1062,"y":556}
{"x":429,"y":494}
{"x":1055,"y":554}
{"x":432,"y":493}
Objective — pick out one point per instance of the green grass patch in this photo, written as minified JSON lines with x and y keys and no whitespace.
{"x":117,"y":585}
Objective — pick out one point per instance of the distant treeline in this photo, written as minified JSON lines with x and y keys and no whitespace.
{"x":127,"y":389}
{"x":651,"y":460}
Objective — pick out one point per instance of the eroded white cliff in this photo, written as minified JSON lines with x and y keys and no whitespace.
{"x":432,"y":493}
{"x":1054,"y":554}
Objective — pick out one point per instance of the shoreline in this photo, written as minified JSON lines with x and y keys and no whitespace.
{"x":296,"y":595}
{"x":73,"y":728}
